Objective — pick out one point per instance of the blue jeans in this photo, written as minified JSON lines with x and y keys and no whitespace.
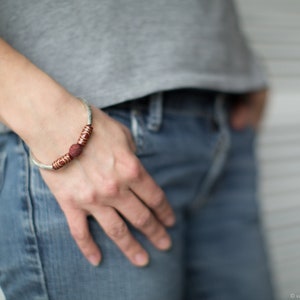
{"x":208,"y":172}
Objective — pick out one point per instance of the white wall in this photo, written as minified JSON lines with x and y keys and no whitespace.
{"x":273,"y":27}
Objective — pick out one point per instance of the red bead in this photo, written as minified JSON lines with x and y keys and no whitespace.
{"x":75,"y":150}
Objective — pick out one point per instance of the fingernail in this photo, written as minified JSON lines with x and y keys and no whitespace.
{"x":141,"y":259}
{"x":170,"y":221}
{"x":164,"y":243}
{"x":94,"y":260}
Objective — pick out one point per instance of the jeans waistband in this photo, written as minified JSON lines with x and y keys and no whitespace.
{"x":185,"y":100}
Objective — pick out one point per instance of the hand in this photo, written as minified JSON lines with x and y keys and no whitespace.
{"x":249,"y":109}
{"x":106,"y":180}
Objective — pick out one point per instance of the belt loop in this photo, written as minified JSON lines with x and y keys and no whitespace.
{"x":155,"y":111}
{"x":220,"y":114}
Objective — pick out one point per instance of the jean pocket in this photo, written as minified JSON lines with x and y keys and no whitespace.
{"x":135,"y":120}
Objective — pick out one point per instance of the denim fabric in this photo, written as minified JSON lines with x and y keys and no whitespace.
{"x":208,"y":172}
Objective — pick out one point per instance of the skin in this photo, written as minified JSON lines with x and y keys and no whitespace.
{"x":249,"y":109}
{"x":107,"y":180}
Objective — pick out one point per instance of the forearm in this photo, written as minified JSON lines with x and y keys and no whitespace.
{"x":31,"y":102}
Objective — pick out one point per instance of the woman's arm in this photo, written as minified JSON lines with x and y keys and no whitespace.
{"x":49,"y":119}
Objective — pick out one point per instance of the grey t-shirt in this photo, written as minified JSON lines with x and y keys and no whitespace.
{"x":109,"y":51}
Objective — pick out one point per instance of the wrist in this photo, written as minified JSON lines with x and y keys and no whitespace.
{"x":75,"y":149}
{"x":36,"y":107}
{"x":58,"y":130}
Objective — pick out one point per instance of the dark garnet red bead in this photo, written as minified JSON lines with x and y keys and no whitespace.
{"x":75,"y":150}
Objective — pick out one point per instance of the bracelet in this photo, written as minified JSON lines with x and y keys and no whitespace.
{"x":75,"y":150}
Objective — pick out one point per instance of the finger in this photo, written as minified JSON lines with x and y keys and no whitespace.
{"x":118,"y":232}
{"x":152,"y":195}
{"x":240,"y":116}
{"x":78,"y":225}
{"x":144,"y":220}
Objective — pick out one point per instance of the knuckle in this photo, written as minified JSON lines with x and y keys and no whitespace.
{"x":89,"y":196}
{"x":158,"y":200}
{"x":79,"y":235}
{"x":128,"y":246}
{"x":144,"y":220}
{"x":117,"y":230}
{"x":134,"y":169}
{"x":65,"y":200}
{"x":110,"y":189}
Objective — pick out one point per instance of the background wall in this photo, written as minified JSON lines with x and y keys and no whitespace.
{"x":273,"y":26}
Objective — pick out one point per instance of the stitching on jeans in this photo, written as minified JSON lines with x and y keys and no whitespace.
{"x":30,"y":216}
{"x":219,"y":158}
{"x":3,"y":157}
{"x":137,"y":129}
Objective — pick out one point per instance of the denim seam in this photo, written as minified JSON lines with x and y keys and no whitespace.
{"x":219,"y":158}
{"x":137,"y":129}
{"x":177,"y":112}
{"x":3,"y":157}
{"x":31,"y":231}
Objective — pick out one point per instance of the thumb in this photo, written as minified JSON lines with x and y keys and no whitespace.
{"x":240,"y":115}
